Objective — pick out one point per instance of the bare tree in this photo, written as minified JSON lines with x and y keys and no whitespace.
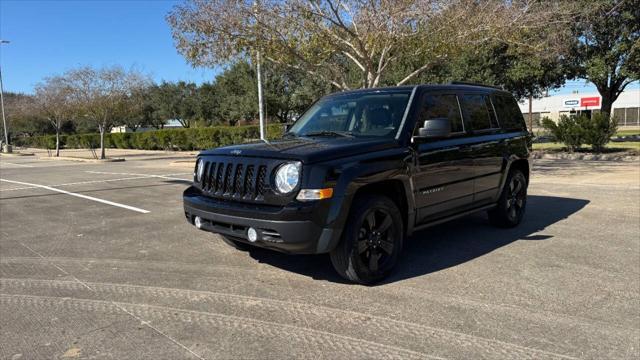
{"x":23,"y":115}
{"x":330,"y":39}
{"x":101,"y":96}
{"x":53,"y":101}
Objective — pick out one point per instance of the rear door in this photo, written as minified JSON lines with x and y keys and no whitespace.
{"x":443,"y":182}
{"x":487,"y":145}
{"x":511,"y":121}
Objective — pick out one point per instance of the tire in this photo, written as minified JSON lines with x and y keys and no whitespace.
{"x":367,"y":254}
{"x":512,"y":203}
{"x":235,"y":243}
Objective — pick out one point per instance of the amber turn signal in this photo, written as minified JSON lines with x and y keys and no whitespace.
{"x":314,"y":194}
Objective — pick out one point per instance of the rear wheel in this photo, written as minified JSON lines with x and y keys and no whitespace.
{"x":512,"y":202}
{"x":371,"y":242}
{"x":235,"y":243}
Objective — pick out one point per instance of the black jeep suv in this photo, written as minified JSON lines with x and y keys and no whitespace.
{"x":360,"y":170}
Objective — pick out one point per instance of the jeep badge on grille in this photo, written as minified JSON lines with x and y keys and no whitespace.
{"x":236,"y":152}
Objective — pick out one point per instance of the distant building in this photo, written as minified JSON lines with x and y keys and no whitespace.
{"x":171,"y":124}
{"x":626,"y":108}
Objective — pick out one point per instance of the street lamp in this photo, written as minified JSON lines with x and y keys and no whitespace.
{"x":7,"y":146}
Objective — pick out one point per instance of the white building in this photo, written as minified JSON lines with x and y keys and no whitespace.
{"x":626,"y":108}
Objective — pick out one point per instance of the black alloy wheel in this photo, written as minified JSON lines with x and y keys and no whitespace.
{"x":375,"y":242}
{"x":512,"y":203}
{"x":516,"y":198}
{"x":371,"y":241}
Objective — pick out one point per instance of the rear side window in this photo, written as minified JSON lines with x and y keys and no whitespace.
{"x":479,"y":111}
{"x":508,"y":112}
{"x":441,"y":106}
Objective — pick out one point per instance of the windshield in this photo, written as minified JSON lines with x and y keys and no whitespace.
{"x":367,"y":114}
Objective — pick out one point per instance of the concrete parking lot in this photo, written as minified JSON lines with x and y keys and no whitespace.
{"x":97,"y":261}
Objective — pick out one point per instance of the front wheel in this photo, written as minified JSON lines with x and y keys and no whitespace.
{"x":371,"y":242}
{"x":512,"y":203}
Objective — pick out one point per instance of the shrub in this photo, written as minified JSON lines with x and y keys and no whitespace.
{"x":42,"y":142}
{"x":573,"y":131}
{"x":181,"y":139}
{"x":566,"y":131}
{"x":598,"y":130}
{"x":167,"y":139}
{"x":121,"y":140}
{"x":85,"y":141}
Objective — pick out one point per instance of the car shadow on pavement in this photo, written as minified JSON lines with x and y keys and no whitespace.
{"x":445,"y":245}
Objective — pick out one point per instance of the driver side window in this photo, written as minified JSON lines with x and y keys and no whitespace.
{"x":441,"y":106}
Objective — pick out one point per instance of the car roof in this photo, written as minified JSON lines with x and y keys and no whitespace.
{"x":426,"y":87}
{"x":387,"y":89}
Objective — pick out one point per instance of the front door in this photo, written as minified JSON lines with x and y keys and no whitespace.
{"x":443,"y":182}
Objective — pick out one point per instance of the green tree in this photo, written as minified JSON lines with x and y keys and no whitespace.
{"x":233,"y":96}
{"x":236,"y":92}
{"x":608,"y":49}
{"x":176,"y":101}
{"x":513,"y":68}
{"x":289,"y":92}
{"x":143,"y":111}
{"x":521,"y":70}
{"x":207,"y":104}
{"x":150,"y":106}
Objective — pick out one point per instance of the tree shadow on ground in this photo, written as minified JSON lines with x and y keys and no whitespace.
{"x":443,"y":246}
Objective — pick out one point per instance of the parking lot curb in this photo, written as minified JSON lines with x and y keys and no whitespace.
{"x":16,"y":154}
{"x":70,"y":158}
{"x":587,"y":157}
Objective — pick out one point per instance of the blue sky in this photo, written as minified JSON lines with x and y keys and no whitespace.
{"x":50,"y":37}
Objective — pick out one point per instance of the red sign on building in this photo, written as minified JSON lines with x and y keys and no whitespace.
{"x":590,"y":101}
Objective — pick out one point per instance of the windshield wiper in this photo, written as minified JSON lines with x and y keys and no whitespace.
{"x":289,"y":134}
{"x":329,"y":133}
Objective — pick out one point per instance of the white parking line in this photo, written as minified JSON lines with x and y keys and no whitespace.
{"x":79,"y":195}
{"x":167,"y":177}
{"x":78,"y":183}
{"x":140,"y":176}
{"x":8,"y":163}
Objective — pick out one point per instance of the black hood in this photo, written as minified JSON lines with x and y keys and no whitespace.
{"x":305,"y":149}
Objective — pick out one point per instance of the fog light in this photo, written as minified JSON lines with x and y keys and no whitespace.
{"x":252,"y":234}
{"x":198,"y":222}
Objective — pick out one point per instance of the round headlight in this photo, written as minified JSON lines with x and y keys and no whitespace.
{"x":199,"y":170}
{"x":287,"y":177}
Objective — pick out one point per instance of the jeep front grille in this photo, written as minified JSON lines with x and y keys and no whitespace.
{"x":234,"y":180}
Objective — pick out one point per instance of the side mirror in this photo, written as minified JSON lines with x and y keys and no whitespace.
{"x":435,"y":129}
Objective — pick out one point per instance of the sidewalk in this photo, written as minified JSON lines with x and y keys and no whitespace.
{"x":126,"y":154}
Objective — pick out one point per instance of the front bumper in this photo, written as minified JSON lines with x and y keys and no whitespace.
{"x":291,"y":229}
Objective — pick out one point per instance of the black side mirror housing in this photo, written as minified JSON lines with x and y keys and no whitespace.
{"x":437,"y":128}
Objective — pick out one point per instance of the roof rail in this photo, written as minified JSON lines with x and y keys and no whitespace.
{"x":473,"y":84}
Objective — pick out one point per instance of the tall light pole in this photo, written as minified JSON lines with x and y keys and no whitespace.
{"x":263,"y":128}
{"x":7,"y":147}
